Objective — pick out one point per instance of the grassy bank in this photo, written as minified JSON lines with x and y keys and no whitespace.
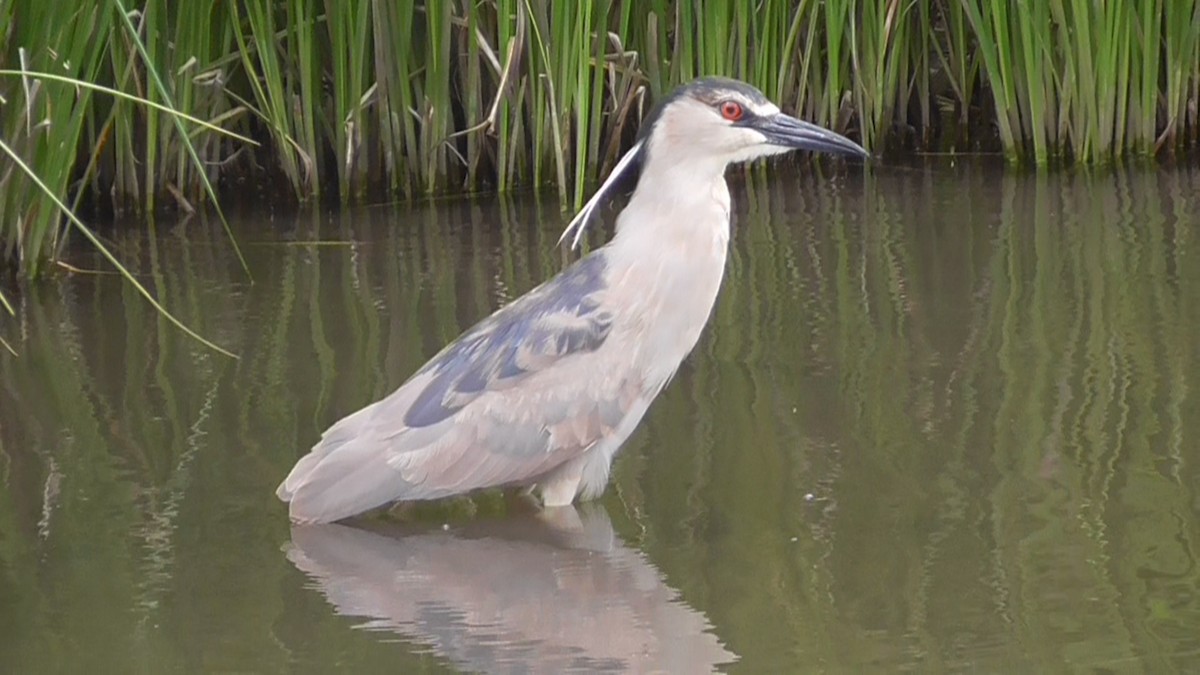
{"x":350,"y":98}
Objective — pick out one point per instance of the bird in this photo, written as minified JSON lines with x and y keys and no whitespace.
{"x":542,"y":394}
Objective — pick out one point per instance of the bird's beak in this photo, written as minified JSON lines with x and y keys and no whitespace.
{"x":789,"y":132}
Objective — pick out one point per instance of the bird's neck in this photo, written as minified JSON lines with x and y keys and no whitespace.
{"x":666,"y":263}
{"x":676,"y":205}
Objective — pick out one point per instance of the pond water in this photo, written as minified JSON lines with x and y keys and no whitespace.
{"x":945,"y":418}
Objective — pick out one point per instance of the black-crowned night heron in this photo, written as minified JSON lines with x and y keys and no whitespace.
{"x":543,"y":392}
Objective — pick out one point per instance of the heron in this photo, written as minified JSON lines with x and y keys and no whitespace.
{"x":542,"y":394}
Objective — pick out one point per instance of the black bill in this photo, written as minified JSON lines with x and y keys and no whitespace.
{"x":789,"y":132}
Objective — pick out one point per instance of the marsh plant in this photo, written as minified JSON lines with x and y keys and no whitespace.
{"x":350,"y":99}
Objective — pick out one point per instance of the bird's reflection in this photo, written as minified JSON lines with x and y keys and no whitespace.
{"x":541,"y":593}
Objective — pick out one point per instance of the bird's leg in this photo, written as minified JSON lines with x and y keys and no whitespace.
{"x":560,"y":486}
{"x":562,"y":518}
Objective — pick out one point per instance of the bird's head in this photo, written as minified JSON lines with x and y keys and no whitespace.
{"x":722,"y":121}
{"x":702,"y":127}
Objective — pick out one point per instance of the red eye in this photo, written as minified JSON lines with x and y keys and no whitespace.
{"x":732,"y":111}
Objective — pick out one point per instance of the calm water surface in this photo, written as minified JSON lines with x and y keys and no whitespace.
{"x":944,"y":419}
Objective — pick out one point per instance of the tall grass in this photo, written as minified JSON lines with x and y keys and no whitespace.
{"x":1090,"y":80}
{"x":39,"y":224}
{"x":359,"y":98}
{"x":44,"y":121}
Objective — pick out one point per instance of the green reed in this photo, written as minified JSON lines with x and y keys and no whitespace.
{"x":44,"y":122}
{"x":364,"y":99}
{"x":48,"y":163}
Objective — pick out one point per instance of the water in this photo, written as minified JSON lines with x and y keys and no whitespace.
{"x":944,"y":419}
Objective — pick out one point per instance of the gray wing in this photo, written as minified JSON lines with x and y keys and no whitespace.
{"x":506,"y":402}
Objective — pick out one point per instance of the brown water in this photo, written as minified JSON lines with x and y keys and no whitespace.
{"x":944,"y":419}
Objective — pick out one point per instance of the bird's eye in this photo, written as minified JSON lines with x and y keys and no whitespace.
{"x":732,"y":111}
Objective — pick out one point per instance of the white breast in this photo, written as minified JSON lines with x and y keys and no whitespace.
{"x":665,"y":269}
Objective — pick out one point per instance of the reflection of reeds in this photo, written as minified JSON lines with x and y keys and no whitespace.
{"x":996,"y":380}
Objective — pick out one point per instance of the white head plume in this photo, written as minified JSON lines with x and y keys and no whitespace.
{"x":581,"y":220}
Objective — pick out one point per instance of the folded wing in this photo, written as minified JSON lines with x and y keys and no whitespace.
{"x":510,"y":399}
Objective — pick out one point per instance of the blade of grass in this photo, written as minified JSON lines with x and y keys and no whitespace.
{"x":187,"y":143}
{"x":38,"y":75}
{"x":265,"y":75}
